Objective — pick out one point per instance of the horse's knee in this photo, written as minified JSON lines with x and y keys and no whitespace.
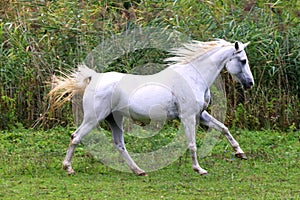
{"x":225,"y":130}
{"x":192,"y":147}
{"x":120,"y":147}
{"x":75,"y":139}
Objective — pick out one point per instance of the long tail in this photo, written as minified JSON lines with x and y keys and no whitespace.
{"x":65,"y":87}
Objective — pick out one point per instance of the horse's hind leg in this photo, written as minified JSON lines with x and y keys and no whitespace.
{"x":210,"y":121}
{"x":76,"y":137}
{"x":115,"y":122}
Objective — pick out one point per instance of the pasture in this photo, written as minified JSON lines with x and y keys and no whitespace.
{"x":30,"y":168}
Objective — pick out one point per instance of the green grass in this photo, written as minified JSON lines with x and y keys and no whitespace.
{"x":40,"y":38}
{"x":30,"y":168}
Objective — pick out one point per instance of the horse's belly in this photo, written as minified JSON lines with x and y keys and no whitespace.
{"x":151,"y":101}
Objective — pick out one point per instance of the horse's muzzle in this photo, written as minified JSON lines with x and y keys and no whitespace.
{"x":248,"y":84}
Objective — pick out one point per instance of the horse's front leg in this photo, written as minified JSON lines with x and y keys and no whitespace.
{"x":189,"y":124}
{"x":208,"y":120}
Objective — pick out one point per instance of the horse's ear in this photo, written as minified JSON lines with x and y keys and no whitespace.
{"x":246,"y":44}
{"x":236,"y":46}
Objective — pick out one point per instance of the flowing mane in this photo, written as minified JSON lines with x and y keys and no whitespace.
{"x":194,"y":49}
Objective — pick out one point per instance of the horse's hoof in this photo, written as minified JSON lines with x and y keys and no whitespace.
{"x":200,"y":171}
{"x":143,"y":174}
{"x":71,"y":172}
{"x":69,"y":169}
{"x":241,"y":156}
{"x":204,"y":174}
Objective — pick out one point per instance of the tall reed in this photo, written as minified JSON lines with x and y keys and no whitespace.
{"x":38,"y":38}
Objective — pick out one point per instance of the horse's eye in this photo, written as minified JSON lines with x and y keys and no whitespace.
{"x":243,"y":62}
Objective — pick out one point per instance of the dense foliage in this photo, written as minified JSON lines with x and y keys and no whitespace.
{"x":40,"y":37}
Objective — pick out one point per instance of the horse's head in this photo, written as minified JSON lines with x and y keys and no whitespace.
{"x":238,"y":66}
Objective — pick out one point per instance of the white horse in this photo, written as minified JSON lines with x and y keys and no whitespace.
{"x":179,"y":91}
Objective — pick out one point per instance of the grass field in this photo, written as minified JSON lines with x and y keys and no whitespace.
{"x":30,"y":168}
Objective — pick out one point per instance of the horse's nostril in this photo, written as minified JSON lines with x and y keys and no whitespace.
{"x":248,"y":85}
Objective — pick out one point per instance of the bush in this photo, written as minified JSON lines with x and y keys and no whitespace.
{"x":40,"y":37}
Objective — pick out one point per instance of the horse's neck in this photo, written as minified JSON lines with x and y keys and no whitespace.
{"x":210,"y":66}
